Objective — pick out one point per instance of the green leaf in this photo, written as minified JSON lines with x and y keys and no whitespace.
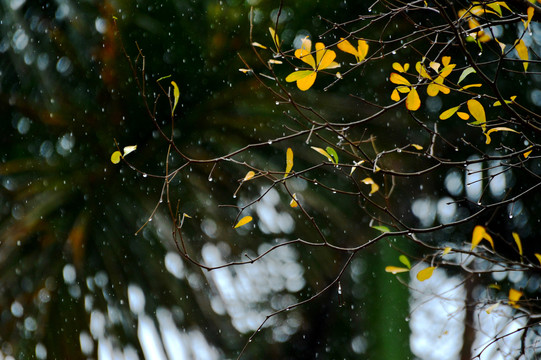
{"x":382,"y":228}
{"x":404,"y":260}
{"x":333,"y":153}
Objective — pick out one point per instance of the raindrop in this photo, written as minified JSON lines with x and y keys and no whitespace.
{"x":145,"y":175}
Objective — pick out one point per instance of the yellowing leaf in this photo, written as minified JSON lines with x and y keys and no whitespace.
{"x":538,"y":256}
{"x":518,"y":242}
{"x":465,"y":73}
{"x":413,"y":102}
{"x":463,"y":115}
{"x":115,"y":157}
{"x":395,"y":269}
{"x":129,"y":149}
{"x":293,"y":203}
{"x":256,"y":44}
{"x":480,"y":233}
{"x":289,"y":161}
{"x":245,"y":71}
{"x":492,"y":307}
{"x":514,"y":296}
{"x":478,"y":112}
{"x":527,"y":153}
{"x":275,"y":39}
{"x":448,"y":113}
{"x":399,"y":79}
{"x":500,"y":128}
{"x":249,"y":175}
{"x":425,"y":274}
{"x":417,"y":147}
{"x":404,"y":260}
{"x":446,"y":251}
{"x":176,"y":95}
{"x":510,"y":101}
{"x":355,"y":164}
{"x":245,"y":220}
{"x":495,"y":286}
{"x":323,"y":152}
{"x":522,"y":52}
{"x":374,"y":186}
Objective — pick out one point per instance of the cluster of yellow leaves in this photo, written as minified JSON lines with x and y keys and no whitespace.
{"x":435,"y":85}
{"x":324,"y":60}
{"x":477,"y":33}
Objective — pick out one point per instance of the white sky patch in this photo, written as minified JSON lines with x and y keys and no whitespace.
{"x":437,"y":315}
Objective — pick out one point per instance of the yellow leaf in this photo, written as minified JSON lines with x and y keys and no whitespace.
{"x":425,"y":274}
{"x":422,"y":71}
{"x":245,"y":71}
{"x":374,"y":186}
{"x":418,"y":147}
{"x":293,"y":203}
{"x":538,"y":256}
{"x":448,"y":113}
{"x":530,"y":12}
{"x":518,"y":242}
{"x":304,"y":78}
{"x":447,"y":250}
{"x":514,"y":296}
{"x":522,"y":52}
{"x":346,"y":46}
{"x":324,"y":57}
{"x":289,"y":161}
{"x":395,"y":96}
{"x":304,"y":53}
{"x":527,"y":153}
{"x":398,"y":67}
{"x":250,"y":174}
{"x":362,"y":49}
{"x":413,"y":102}
{"x":399,"y":79}
{"x":176,"y":95}
{"x":478,"y":112}
{"x":395,"y":269}
{"x":500,"y":128}
{"x":471,"y":86}
{"x":463,"y":115}
{"x":115,"y":157}
{"x":492,"y":307}
{"x":480,"y":233}
{"x":322,"y":152}
{"x":245,"y":220}
{"x":256,"y":44}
